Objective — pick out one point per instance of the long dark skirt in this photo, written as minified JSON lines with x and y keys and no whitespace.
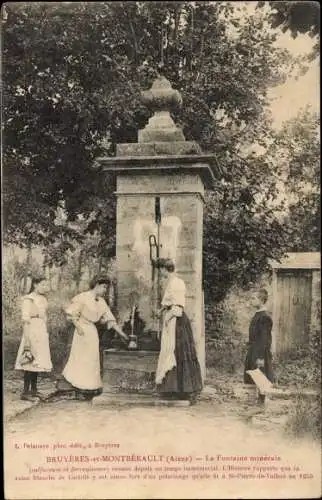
{"x":250,"y":364}
{"x":185,"y":378}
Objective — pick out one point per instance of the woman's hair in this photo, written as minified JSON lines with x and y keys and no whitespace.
{"x":167,"y":264}
{"x":263,"y":295}
{"x":99,"y":280}
{"x":35,"y":280}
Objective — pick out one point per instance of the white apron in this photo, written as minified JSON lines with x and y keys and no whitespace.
{"x":174,"y":300}
{"x":34,"y":310}
{"x":83,"y":367}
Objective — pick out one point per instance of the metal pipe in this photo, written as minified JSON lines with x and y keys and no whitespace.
{"x":158,"y":222}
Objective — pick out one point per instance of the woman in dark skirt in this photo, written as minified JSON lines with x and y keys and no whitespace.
{"x":178,"y":372}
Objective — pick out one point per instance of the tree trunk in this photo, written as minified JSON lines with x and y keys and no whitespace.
{"x":59,"y":277}
{"x":44,"y":263}
{"x":79,"y":270}
{"x":100,"y":264}
{"x":50,"y":277}
{"x":191,"y":40}
{"x":92,"y":268}
{"x":27,"y":269}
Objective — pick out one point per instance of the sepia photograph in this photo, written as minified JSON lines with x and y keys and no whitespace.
{"x":161,"y":266}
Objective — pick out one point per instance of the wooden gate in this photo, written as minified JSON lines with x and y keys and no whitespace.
{"x":294,"y":295}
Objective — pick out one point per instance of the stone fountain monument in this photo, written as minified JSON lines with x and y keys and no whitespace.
{"x":160,"y":196}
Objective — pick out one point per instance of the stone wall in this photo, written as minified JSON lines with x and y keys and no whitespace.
{"x":181,"y":202}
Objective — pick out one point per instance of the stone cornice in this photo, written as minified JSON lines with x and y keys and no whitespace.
{"x":205,"y":165}
{"x":160,"y":193}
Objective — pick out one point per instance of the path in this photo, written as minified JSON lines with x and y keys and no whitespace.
{"x":205,"y":429}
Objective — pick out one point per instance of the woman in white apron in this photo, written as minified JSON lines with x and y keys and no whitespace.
{"x":34,"y":352}
{"x":82,"y":370}
{"x":178,"y":372}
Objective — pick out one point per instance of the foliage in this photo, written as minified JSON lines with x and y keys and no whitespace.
{"x":74,"y":72}
{"x":226,"y":354}
{"x":297,"y":17}
{"x":10,"y":308}
{"x":225,"y":343}
{"x":244,"y":225}
{"x":302,"y":367}
{"x":60,"y":330}
{"x":12,"y":288}
{"x":305,"y":419}
{"x":297,"y":149}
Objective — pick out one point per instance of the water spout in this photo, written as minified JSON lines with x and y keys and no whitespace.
{"x":133,"y":344}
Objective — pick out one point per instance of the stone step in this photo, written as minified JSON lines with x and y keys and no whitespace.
{"x":137,"y":400}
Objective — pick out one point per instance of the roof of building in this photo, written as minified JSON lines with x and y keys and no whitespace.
{"x":298,"y":260}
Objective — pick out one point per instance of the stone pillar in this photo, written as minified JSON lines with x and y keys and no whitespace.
{"x":161,"y":168}
{"x":181,"y":203}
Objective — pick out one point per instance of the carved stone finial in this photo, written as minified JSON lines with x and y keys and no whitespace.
{"x":161,"y":98}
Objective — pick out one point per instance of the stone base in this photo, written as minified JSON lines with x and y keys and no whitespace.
{"x":128,"y":380}
{"x":158,"y":148}
{"x":129,"y":371}
{"x":137,"y":400}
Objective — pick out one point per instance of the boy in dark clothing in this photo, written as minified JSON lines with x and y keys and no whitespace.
{"x":260,"y":340}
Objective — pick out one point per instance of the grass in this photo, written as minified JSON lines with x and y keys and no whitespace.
{"x":305,"y":418}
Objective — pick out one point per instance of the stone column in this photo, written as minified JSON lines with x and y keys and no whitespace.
{"x":181,"y":203}
{"x":161,"y":168}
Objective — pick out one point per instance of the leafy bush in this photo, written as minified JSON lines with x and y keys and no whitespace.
{"x":226,"y":354}
{"x":225,"y":345}
{"x":305,"y":418}
{"x":301,"y":367}
{"x":10,"y":349}
{"x":10,"y":295}
{"x":59,"y":329}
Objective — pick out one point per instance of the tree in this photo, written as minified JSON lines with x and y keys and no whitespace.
{"x":297,"y":148}
{"x":244,"y":226}
{"x":74,"y":73}
{"x":297,"y":17}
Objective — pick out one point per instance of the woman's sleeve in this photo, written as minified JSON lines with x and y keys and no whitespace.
{"x":73,"y":310}
{"x":108,"y":317}
{"x":26,"y":309}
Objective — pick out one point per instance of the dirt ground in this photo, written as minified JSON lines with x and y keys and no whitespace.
{"x":201,"y":433}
